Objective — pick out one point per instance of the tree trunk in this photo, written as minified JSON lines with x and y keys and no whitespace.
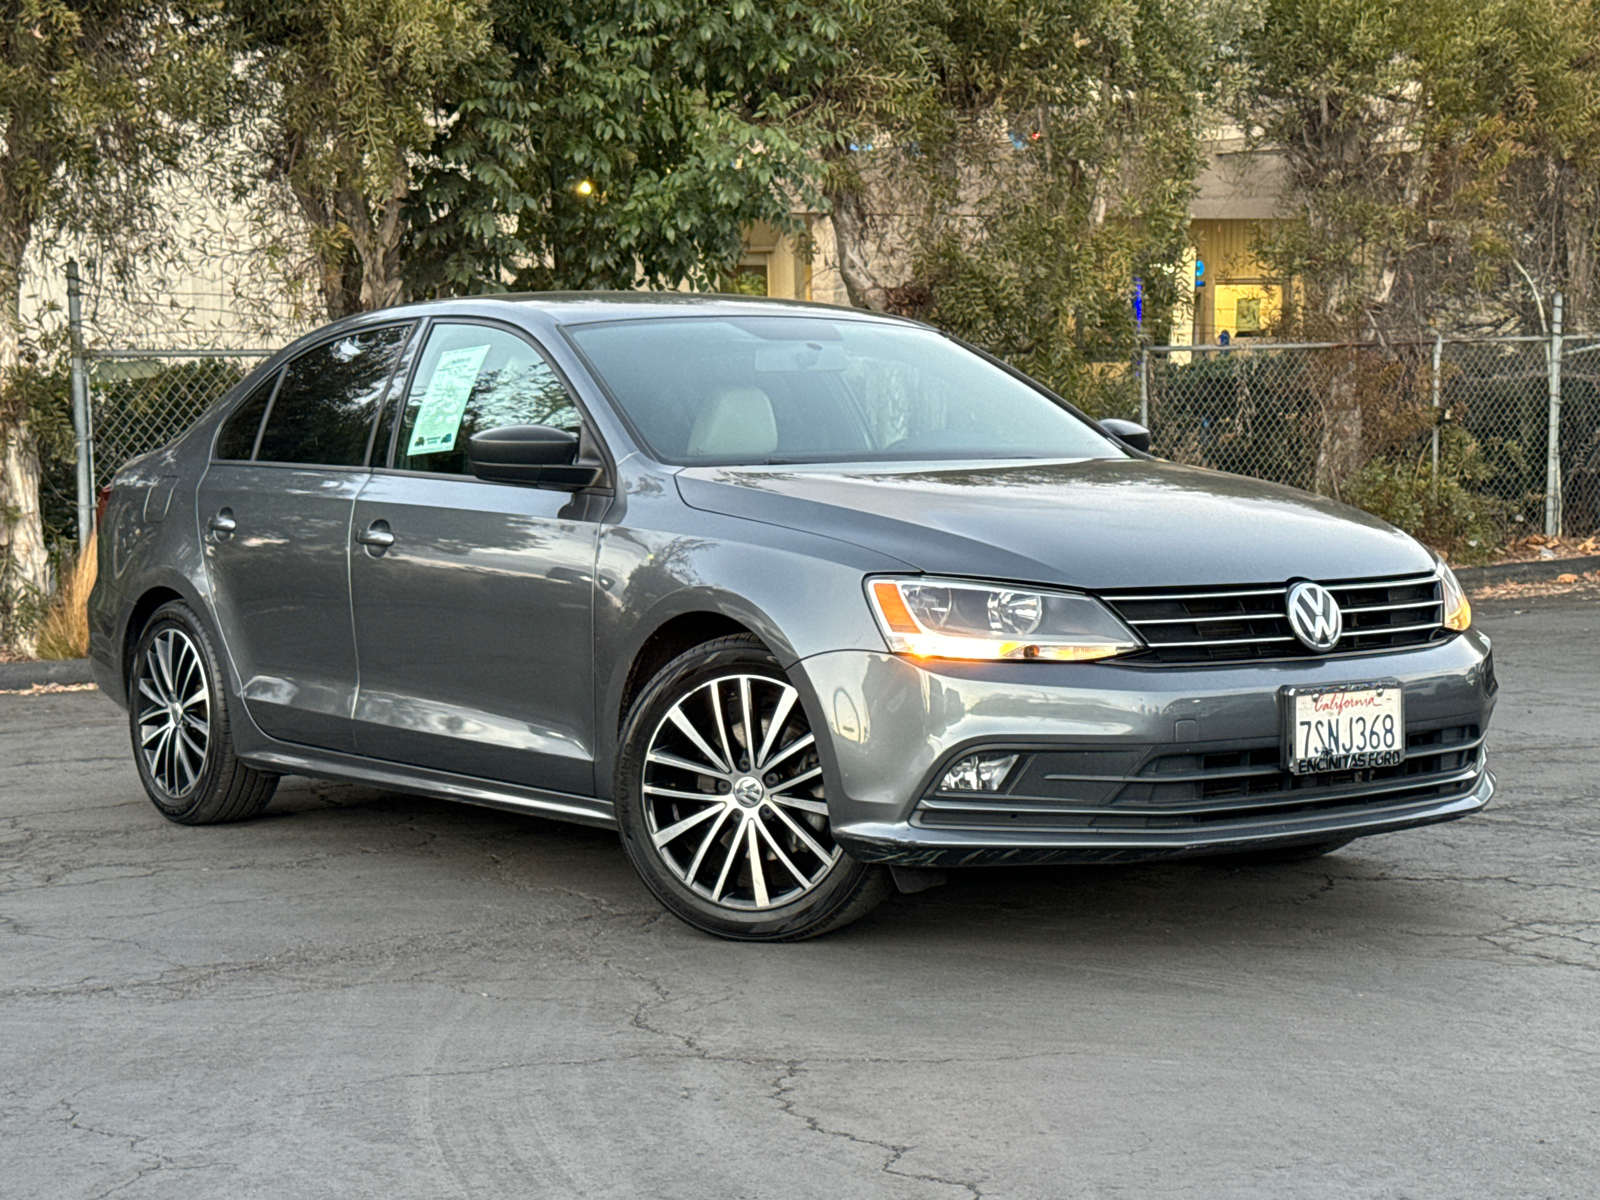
{"x":330,"y":248}
{"x":376,"y":236}
{"x":852,"y":232}
{"x":1579,"y":236}
{"x":24,"y":560}
{"x":1340,"y":450}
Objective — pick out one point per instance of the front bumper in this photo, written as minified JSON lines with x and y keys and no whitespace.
{"x":1125,"y":763}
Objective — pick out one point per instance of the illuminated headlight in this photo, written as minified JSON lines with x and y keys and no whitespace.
{"x":1457,"y":609}
{"x":978,"y":773}
{"x":952,"y":618}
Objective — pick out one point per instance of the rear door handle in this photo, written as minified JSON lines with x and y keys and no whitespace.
{"x":223,"y":523}
{"x":376,"y":537}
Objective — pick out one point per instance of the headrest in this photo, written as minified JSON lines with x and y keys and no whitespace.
{"x":735,"y":423}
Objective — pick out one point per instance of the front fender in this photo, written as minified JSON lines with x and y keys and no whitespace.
{"x":801,"y":594}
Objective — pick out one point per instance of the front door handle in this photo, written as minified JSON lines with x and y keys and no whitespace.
{"x":376,"y":537}
{"x":222,"y":524}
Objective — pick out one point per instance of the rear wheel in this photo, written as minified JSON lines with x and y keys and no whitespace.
{"x":721,"y":802}
{"x":178,"y":718}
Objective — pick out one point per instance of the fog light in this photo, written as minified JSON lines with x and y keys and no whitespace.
{"x":978,"y":773}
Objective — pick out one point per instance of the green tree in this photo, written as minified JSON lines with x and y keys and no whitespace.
{"x":616,"y":142}
{"x":97,"y":99}
{"x":1443,"y":167}
{"x":345,"y":104}
{"x":1442,"y":156}
{"x":1008,"y":169}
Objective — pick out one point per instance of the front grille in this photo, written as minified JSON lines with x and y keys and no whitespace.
{"x":1167,"y":788}
{"x":1250,"y":622}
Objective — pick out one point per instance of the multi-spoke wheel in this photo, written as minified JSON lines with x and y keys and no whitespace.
{"x":174,"y":721}
{"x":179,"y":721}
{"x":722,"y":804}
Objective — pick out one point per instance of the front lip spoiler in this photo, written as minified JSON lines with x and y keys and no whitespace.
{"x":904,"y":845}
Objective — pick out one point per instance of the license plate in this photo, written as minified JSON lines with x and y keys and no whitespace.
{"x":1348,"y":727}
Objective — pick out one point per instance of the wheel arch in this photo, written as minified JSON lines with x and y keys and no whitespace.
{"x":673,"y":637}
{"x":159,"y":590}
{"x":678,"y":623}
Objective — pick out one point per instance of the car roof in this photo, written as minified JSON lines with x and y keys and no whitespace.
{"x":579,"y":308}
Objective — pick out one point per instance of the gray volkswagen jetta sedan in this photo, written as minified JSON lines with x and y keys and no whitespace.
{"x":805,"y":602}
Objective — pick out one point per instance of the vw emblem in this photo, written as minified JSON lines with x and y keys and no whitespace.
{"x":749,"y":792}
{"x":1314,"y":616}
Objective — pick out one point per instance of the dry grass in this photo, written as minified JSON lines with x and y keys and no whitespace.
{"x":64,"y":632}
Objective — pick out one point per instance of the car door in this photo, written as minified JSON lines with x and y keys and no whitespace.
{"x":274,"y":511}
{"x":473,"y":601}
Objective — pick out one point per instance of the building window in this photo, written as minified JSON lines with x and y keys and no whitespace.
{"x":749,"y":281}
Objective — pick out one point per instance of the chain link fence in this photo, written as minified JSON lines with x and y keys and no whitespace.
{"x":1465,"y":442}
{"x":144,"y":365}
{"x":139,"y":400}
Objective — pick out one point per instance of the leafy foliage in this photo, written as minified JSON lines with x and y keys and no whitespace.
{"x":1443,"y":155}
{"x":1450,"y":512}
{"x":97,"y":99}
{"x":345,"y":98}
{"x":1034,"y":158}
{"x":620,"y":142}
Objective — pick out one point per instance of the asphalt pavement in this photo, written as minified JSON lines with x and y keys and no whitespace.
{"x":366,"y":994}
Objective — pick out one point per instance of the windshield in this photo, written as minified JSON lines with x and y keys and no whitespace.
{"x":784,"y":389}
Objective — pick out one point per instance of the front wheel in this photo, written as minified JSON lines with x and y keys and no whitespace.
{"x":721,"y":803}
{"x":178,"y":717}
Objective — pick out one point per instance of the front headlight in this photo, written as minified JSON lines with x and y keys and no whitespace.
{"x":1457,"y":609}
{"x":952,"y":618}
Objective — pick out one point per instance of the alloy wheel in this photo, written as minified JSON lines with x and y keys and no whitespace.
{"x":174,"y":723}
{"x":733,"y":797}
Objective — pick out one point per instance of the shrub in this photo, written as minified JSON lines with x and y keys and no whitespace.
{"x":1454,"y":514}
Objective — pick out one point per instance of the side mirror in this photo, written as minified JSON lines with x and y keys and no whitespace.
{"x":1129,"y":432}
{"x":537,"y":455}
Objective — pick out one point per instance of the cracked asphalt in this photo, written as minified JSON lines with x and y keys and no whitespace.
{"x":364,"y":994}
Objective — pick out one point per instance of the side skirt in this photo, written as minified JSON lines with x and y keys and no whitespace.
{"x":558,"y":806}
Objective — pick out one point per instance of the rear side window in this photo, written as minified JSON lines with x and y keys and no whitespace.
{"x":238,"y":436}
{"x":472,"y":378}
{"x":322,"y":414}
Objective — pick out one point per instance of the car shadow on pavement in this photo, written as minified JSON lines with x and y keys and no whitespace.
{"x":1349,"y":894}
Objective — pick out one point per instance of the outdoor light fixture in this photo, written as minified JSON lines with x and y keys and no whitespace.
{"x":585,"y":188}
{"x":978,"y":773}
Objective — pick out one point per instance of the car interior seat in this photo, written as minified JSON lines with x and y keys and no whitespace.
{"x":737,"y":423}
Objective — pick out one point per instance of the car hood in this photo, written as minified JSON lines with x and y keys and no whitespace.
{"x":1089,"y":523}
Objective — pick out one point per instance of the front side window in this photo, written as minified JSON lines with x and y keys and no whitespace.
{"x":789,"y":389}
{"x":473,"y":378}
{"x":322,"y":414}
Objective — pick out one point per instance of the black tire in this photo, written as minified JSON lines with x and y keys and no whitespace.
{"x":178,"y":720}
{"x":1289,"y":854}
{"x":825,"y":888}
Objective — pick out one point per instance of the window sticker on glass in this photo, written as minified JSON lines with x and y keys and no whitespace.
{"x":439,"y":416}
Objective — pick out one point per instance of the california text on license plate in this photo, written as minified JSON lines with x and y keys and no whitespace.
{"x":1347,"y":727}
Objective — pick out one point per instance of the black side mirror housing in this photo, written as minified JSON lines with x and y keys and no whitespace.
{"x":535,"y":455}
{"x":1128,"y":432}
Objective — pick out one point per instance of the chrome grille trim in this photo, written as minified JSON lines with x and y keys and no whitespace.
{"x":1272,"y":591}
{"x":1366,"y":608}
{"x":1184,"y":626}
{"x":1273,"y":800}
{"x":1249,"y":641}
{"x":1203,"y":784}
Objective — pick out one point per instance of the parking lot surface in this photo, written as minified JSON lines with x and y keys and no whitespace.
{"x":368,"y":994}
